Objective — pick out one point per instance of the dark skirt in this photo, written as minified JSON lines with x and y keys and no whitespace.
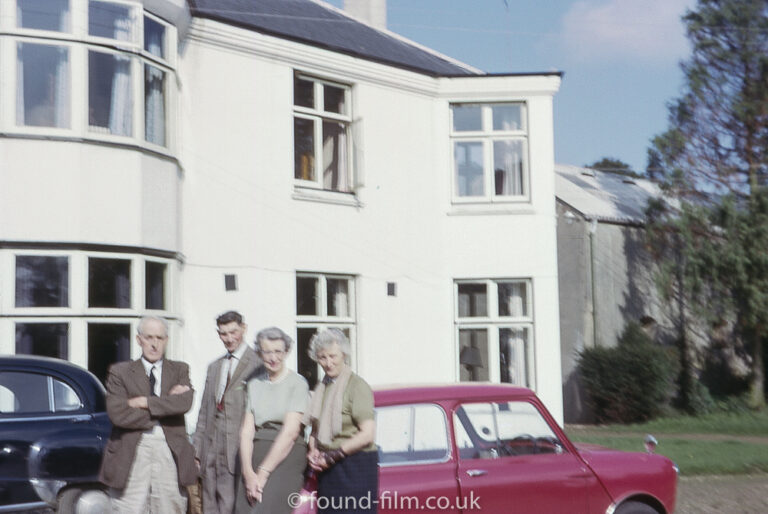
{"x":351,"y":486}
{"x":285,"y":479}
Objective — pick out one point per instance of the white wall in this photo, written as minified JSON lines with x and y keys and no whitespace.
{"x":240,"y":214}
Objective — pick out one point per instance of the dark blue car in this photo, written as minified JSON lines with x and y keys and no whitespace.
{"x":53,"y":428}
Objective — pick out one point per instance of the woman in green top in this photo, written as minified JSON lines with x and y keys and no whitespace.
{"x":341,"y":447}
{"x":272,"y":451}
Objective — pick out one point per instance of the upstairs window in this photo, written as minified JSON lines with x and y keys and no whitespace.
{"x":490,"y":146}
{"x":42,"y":85}
{"x":110,"y":20}
{"x":52,"y":15}
{"x":321,"y":134}
{"x":154,"y":37}
{"x":110,"y":102}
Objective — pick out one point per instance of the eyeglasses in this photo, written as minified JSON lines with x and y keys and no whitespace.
{"x":270,"y":353}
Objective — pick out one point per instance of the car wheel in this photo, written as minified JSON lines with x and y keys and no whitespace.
{"x":78,"y":501}
{"x":635,"y":508}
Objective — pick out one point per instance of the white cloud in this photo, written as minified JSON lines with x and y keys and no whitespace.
{"x":649,"y":30}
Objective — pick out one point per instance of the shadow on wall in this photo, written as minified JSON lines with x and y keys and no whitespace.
{"x":576,"y":408}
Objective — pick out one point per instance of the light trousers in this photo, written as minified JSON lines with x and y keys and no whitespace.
{"x":218,"y":483}
{"x":153,"y":483}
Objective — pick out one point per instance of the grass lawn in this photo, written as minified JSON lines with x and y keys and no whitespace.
{"x":714,"y":444}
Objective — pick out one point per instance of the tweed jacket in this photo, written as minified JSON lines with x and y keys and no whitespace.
{"x":126,"y":380}
{"x":234,"y":408}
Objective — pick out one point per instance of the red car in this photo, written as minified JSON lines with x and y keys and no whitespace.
{"x":495,"y":449}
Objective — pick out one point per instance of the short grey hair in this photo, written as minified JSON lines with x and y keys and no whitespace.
{"x":273,"y":334}
{"x":145,"y":319}
{"x":327,"y":337}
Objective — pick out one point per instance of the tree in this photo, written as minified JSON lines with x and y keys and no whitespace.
{"x":612,"y":165}
{"x":713,"y":162}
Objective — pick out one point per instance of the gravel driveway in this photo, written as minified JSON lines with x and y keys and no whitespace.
{"x":738,"y":494}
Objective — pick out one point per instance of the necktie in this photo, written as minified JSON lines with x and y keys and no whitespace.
{"x":152,"y":382}
{"x":220,"y":405}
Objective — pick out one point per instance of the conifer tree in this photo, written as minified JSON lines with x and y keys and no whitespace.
{"x":713,"y":162}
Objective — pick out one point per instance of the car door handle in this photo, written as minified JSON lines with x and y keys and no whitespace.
{"x":476,"y":472}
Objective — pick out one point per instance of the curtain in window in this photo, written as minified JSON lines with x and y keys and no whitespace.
{"x":512,"y":300}
{"x":338,"y":298}
{"x":508,"y":167}
{"x":43,"y":15}
{"x":335,"y":168}
{"x":122,"y":30}
{"x":42,"y":85}
{"x":154,"y":105}
{"x":122,"y":106}
{"x":154,"y":34}
{"x":512,"y":356}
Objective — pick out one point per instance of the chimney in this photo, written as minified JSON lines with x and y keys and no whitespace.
{"x":373,"y":12}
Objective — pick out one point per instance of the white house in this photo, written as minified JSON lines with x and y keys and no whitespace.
{"x":282,"y":159}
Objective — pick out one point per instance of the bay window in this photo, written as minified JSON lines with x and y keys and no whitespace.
{"x":80,"y":306}
{"x":494,"y":325}
{"x":490,"y":147}
{"x":321,"y":134}
{"x":124,"y":53}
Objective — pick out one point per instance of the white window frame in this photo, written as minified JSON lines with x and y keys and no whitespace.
{"x":487,"y":136}
{"x":322,"y":319}
{"x":492,"y":322}
{"x":136,"y":41}
{"x":318,"y":114}
{"x":78,"y":43}
{"x":78,"y":315}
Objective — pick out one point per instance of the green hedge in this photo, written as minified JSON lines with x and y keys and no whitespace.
{"x":631,"y":382}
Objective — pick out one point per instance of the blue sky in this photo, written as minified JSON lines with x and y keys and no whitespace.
{"x":620,"y":59}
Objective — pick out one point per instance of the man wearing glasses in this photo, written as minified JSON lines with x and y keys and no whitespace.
{"x":148,"y":458}
{"x":217,"y":435}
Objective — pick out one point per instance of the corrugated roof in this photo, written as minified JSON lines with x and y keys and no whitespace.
{"x":604,"y":196}
{"x":322,"y":25}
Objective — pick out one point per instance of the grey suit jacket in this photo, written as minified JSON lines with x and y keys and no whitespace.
{"x":234,"y":408}
{"x":127,"y":380}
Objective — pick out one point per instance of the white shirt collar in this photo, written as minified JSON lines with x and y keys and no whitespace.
{"x":238,"y":354}
{"x":148,"y":366}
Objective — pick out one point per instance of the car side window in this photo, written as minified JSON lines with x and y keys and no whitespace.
{"x":33,"y":393}
{"x":503,"y":429}
{"x":408,"y":434}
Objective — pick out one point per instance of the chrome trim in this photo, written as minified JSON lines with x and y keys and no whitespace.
{"x":23,"y":506}
{"x":73,"y":417}
{"x":611,"y":508}
{"x":47,"y":490}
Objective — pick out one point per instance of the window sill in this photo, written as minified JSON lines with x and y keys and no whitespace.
{"x":484,"y":209}
{"x":323,"y":196}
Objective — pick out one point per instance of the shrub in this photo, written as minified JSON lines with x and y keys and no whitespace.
{"x":631,"y":382}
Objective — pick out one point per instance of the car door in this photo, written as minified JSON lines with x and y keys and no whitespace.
{"x":33,"y":407}
{"x":511,"y":461}
{"x":417,"y":468}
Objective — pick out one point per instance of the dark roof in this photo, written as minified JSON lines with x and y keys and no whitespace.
{"x":314,"y":24}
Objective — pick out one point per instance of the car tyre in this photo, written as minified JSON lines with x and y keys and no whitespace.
{"x":78,"y":501}
{"x":635,"y":508}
